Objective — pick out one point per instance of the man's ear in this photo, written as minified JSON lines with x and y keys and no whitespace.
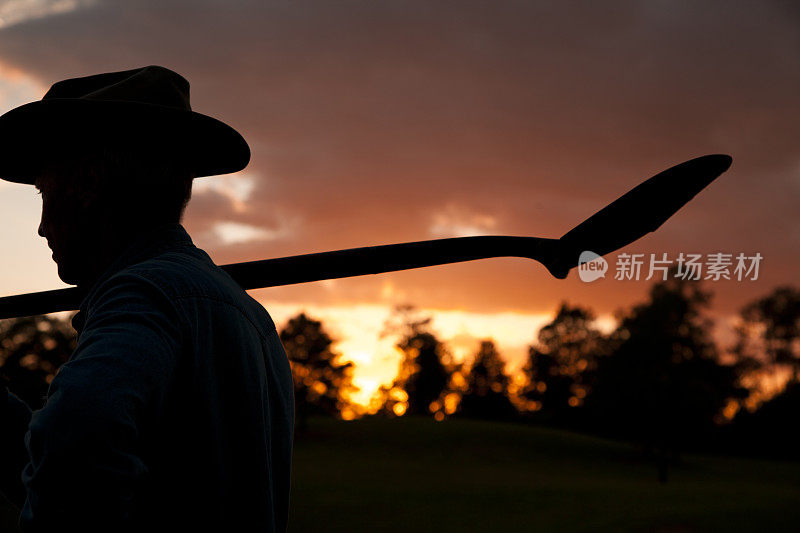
{"x":89,"y":192}
{"x":88,"y":198}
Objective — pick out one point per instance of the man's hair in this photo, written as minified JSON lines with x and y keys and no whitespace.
{"x":139,"y":186}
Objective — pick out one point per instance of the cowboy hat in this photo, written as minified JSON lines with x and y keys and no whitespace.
{"x":146,"y":108}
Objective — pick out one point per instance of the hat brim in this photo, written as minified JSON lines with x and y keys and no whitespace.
{"x":33,"y":134}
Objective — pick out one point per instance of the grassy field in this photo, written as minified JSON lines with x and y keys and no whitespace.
{"x":420,"y":475}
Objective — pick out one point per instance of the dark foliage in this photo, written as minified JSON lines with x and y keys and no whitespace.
{"x":559,"y":368}
{"x":426,"y":369}
{"x":770,"y":331}
{"x":487,"y":387}
{"x":662,"y":383}
{"x":320,"y":381}
{"x":31,"y":351}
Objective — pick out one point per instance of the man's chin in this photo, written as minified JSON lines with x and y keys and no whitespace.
{"x":67,"y":275}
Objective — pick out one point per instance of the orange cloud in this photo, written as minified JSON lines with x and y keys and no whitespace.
{"x":366,"y":118}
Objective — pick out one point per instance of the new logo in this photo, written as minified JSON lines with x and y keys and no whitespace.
{"x":591,"y":266}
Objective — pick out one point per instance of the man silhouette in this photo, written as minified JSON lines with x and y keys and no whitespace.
{"x":175,"y":411}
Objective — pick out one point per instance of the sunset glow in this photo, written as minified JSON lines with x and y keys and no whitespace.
{"x":427,"y":123}
{"x":358,"y":328}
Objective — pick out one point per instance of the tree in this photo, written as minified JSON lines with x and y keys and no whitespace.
{"x":487,"y":386}
{"x":769,"y":431}
{"x":423,"y":380}
{"x":31,"y":351}
{"x":662,"y":383}
{"x":770,"y":331}
{"x":320,"y":380}
{"x":558,"y":367}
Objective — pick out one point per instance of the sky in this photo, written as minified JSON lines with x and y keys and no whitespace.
{"x":381,"y":122}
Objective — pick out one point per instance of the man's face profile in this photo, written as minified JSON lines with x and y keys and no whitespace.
{"x":64,"y":223}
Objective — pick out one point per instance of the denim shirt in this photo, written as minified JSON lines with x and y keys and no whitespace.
{"x":175,"y":410}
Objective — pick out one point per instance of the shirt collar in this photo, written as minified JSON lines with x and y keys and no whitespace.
{"x":146,"y":245}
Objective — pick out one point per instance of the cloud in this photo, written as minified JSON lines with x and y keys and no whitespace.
{"x":366,"y":118}
{"x":16,"y":88}
{"x":17,"y":11}
{"x":456,"y":221}
{"x":236,"y":233}
{"x":220,"y":215}
{"x":236,"y":187}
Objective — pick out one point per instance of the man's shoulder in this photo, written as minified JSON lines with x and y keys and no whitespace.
{"x":186,"y":272}
{"x":177,"y":282}
{"x":188,"y":275}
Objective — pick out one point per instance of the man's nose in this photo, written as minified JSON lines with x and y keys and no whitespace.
{"x":41,"y":227}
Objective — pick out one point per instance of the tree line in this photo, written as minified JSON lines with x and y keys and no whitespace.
{"x":657,"y":379}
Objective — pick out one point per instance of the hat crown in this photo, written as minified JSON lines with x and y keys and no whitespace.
{"x":146,"y":109}
{"x":153,"y":85}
